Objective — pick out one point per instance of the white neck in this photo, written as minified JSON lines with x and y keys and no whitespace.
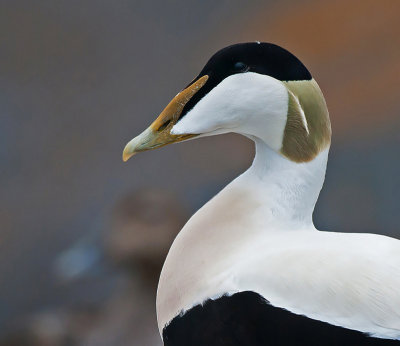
{"x":288,"y":190}
{"x":273,"y":195}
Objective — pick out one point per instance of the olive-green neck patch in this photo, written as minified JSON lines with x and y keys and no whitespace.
{"x":308,"y":128}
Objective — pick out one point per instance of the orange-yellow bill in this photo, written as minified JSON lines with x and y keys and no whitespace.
{"x":158,"y":133}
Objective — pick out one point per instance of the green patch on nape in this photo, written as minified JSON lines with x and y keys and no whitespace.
{"x":308,"y":128}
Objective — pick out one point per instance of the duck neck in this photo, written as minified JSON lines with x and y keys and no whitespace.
{"x":288,"y":190}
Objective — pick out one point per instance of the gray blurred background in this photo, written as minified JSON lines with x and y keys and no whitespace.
{"x":83,"y":235}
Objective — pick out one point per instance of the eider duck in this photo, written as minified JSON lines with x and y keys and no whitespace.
{"x":250,"y":268}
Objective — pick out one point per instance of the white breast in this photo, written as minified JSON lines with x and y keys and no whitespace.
{"x":257,"y":235}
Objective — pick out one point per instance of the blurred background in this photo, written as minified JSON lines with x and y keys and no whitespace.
{"x":83,"y":235}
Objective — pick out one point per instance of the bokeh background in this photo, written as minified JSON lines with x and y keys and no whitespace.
{"x":83,"y":235}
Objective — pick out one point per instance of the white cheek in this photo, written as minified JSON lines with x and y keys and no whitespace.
{"x":247,"y":103}
{"x":267,"y":114}
{"x":212,"y":112}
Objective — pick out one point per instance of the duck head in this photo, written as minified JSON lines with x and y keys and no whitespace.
{"x":259,"y":90}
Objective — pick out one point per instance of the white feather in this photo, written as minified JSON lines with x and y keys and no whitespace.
{"x":257,"y":234}
{"x":303,"y":116}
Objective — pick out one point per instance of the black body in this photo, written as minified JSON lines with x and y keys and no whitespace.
{"x":246,"y":319}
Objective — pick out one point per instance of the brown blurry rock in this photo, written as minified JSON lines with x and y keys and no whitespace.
{"x":143,"y":226}
{"x":128,"y":318}
{"x":50,"y":328}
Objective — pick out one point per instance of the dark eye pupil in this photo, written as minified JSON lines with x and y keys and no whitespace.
{"x":240,"y":66}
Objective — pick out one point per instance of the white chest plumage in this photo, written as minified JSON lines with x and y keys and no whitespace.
{"x":257,"y":236}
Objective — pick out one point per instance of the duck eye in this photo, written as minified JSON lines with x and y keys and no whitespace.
{"x":240,"y":67}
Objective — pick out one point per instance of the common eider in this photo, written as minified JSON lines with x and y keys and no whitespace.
{"x":250,"y":268}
